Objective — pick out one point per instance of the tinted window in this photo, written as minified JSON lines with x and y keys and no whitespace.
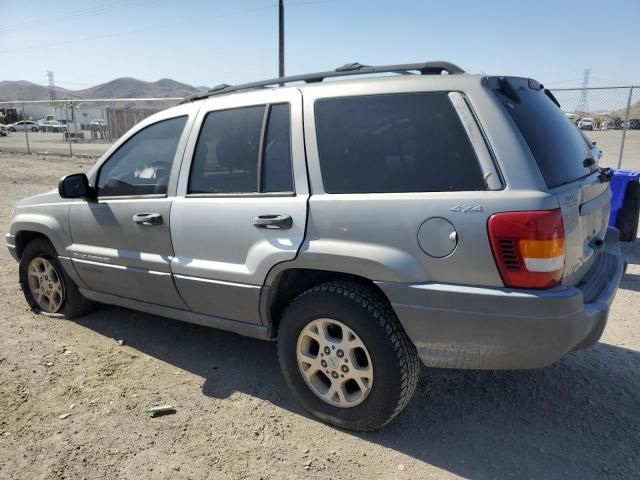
{"x":556,"y":144}
{"x":394,"y":143}
{"x":226,"y":156}
{"x":142,"y":165}
{"x":276,"y":159}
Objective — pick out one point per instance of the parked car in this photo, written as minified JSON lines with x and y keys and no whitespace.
{"x":367,"y":225}
{"x":585,"y":123}
{"x":23,"y":125}
{"x":614,"y":123}
{"x":52,"y":126}
{"x":98,"y":123}
{"x":3,"y":131}
{"x":573,"y":117}
{"x":634,"y":123}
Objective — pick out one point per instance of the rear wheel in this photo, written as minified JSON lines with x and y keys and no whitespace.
{"x":346,"y":357}
{"x":46,"y":286}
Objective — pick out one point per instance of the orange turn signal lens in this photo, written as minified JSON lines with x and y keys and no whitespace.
{"x":542,"y":248}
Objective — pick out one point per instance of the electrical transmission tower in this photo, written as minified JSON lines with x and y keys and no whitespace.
{"x":583,"y":103}
{"x":52,"y":88}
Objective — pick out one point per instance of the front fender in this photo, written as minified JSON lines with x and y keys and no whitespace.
{"x":51,"y":221}
{"x":43,"y":224}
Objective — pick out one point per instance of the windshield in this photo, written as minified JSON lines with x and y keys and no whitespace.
{"x":558,"y":147}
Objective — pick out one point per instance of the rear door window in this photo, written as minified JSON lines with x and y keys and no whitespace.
{"x":243,"y":150}
{"x":412,"y":142}
{"x":555,"y":142}
{"x":226,"y":156}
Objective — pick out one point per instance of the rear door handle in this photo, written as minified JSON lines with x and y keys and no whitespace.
{"x":273,"y":221}
{"x":147,"y":219}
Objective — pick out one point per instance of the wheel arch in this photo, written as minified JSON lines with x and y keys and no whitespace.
{"x":37,"y":226}
{"x":28,"y":226}
{"x":285,"y":284}
{"x":24,"y":237}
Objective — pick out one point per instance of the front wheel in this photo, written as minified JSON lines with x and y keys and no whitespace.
{"x":46,"y":286}
{"x":34,"y":129}
{"x":11,"y":129}
{"x":346,"y":357}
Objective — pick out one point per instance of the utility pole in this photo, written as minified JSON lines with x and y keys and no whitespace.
{"x":281,"y":39}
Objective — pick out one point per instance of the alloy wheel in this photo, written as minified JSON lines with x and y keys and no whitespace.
{"x":45,"y":285}
{"x":335,"y":363}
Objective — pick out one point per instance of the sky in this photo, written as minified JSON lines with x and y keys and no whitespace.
{"x":211,"y":42}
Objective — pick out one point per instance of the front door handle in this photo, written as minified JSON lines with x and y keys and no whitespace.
{"x":147,"y":219}
{"x":273,"y":221}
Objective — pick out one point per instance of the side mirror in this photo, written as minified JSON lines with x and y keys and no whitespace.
{"x":75,"y":186}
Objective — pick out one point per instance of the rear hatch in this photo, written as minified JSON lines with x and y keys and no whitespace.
{"x":566,"y":160}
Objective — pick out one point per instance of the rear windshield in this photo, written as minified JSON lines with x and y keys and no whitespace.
{"x":556,"y":143}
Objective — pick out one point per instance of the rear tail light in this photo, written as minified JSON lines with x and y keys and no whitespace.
{"x":528,"y":247}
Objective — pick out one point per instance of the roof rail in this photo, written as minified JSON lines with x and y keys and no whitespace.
{"x":426,"y":68}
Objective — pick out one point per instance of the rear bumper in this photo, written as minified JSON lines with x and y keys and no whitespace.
{"x":456,"y":326}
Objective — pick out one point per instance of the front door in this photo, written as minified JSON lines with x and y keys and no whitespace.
{"x":241,"y":204}
{"x":122,"y":241}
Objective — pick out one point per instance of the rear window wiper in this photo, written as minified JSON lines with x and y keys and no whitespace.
{"x":553,"y":98}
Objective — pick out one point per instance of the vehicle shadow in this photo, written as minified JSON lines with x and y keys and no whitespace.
{"x":579,"y":418}
{"x":631,"y":281}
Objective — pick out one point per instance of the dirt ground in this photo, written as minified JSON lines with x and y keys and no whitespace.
{"x":579,"y":418}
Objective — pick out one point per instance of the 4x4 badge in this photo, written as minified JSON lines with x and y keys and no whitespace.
{"x":471,"y":209}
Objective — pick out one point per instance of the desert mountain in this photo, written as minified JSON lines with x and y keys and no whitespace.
{"x":118,"y":88}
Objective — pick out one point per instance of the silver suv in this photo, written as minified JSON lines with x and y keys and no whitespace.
{"x":368,"y":225}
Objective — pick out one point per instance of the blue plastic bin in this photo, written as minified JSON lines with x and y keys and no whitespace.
{"x":619,"y":182}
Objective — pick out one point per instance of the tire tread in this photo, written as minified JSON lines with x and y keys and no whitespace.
{"x":381,"y":311}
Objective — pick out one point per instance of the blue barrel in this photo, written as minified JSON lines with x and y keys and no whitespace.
{"x":625,"y":203}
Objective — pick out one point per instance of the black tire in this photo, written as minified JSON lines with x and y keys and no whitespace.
{"x":11,"y":129}
{"x":627,"y":221}
{"x":395,"y":361}
{"x":73,"y":304}
{"x":34,"y":129}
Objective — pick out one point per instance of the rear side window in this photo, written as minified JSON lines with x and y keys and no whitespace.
{"x":395,"y":143}
{"x":555,"y":142}
{"x":228,"y":159}
{"x":226,"y":156}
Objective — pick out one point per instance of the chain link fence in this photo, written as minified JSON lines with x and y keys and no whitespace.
{"x":610,"y":116}
{"x":73,"y":127}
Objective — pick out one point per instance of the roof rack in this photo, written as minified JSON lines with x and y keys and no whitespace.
{"x":426,"y":68}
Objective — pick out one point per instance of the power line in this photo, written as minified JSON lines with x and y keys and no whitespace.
{"x":95,"y":10}
{"x":42,"y":46}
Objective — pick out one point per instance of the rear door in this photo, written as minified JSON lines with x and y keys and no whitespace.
{"x":242,"y":197}
{"x":121,"y":241}
{"x":565,"y":159}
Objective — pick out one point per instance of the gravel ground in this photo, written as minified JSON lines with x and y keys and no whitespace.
{"x":72,"y":398}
